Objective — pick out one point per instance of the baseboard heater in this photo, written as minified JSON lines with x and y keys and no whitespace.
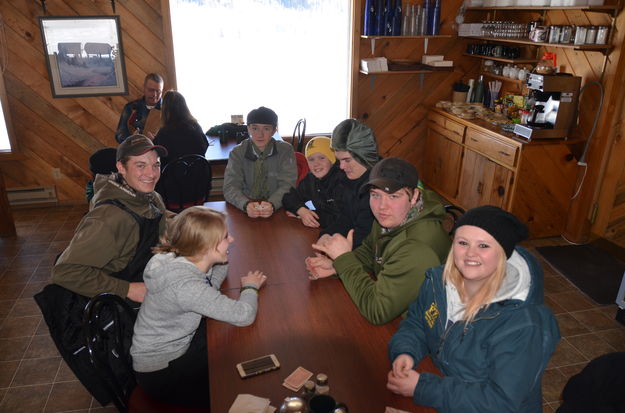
{"x":33,"y":195}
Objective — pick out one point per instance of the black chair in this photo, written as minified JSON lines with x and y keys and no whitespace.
{"x":185,"y":182}
{"x":299,"y":133}
{"x":452,"y":214}
{"x":108,"y":323}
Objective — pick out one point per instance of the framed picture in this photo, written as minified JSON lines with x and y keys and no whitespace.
{"x":84,"y":55}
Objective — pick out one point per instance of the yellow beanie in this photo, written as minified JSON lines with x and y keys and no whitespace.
{"x":320,"y":144}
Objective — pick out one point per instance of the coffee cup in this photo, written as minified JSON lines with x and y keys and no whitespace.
{"x":322,"y":403}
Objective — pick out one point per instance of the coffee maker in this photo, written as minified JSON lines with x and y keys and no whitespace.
{"x":554,"y":109}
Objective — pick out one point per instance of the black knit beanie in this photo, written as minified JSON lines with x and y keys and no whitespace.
{"x":500,"y":224}
{"x":264,"y":116}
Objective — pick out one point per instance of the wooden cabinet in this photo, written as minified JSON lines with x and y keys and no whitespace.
{"x":471,"y":164}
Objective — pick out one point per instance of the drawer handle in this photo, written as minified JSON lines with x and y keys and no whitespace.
{"x":504,"y":153}
{"x":474,"y":140}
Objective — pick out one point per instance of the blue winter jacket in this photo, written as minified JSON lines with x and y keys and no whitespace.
{"x":492,"y":365}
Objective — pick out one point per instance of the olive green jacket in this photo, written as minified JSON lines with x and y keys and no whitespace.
{"x":384,"y":274}
{"x":105,"y":240}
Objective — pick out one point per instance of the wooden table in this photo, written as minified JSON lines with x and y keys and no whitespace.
{"x":310,"y":324}
{"x":218,"y":151}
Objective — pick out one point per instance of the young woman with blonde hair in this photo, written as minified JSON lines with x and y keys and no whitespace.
{"x":482,"y":320}
{"x":183,"y":279}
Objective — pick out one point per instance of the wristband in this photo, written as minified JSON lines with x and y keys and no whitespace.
{"x":249,"y":287}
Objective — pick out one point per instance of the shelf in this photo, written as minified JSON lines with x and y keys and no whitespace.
{"x":502,"y":59}
{"x":503,"y":78}
{"x":586,"y":47}
{"x":596,"y":9}
{"x":408,"y":37}
{"x":406,"y":72}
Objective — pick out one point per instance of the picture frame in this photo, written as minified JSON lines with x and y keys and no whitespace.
{"x":84,"y":55}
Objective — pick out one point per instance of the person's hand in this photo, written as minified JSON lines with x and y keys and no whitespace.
{"x":319,"y":266}
{"x":404,"y":386}
{"x":252,"y":209}
{"x":136,"y":292}
{"x":265,"y":209}
{"x":290,"y":214}
{"x":256,"y":278}
{"x":308,"y":217}
{"x":335,"y":245}
{"x":402,"y":365}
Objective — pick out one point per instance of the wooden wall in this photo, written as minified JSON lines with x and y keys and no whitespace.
{"x":62,"y":133}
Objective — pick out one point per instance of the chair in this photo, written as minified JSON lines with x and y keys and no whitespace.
{"x":302,"y":166}
{"x":108,"y":323}
{"x":299,"y":134}
{"x":452,"y":214}
{"x":185,"y":182}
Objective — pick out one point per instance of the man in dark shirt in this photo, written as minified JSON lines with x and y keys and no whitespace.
{"x":135,"y":114}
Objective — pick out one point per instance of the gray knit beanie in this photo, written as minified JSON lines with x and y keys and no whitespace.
{"x":358,"y":139}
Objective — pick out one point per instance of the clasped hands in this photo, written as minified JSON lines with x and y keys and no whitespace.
{"x":329,"y":247}
{"x":403,"y":379}
{"x":259,"y":209}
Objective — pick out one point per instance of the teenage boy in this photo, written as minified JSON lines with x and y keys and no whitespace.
{"x":109,"y":250}
{"x":260,"y":169}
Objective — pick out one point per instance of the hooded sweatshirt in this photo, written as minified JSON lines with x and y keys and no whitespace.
{"x":397,"y":259}
{"x":106,"y":239}
{"x":493,"y":364}
{"x":178,"y":296}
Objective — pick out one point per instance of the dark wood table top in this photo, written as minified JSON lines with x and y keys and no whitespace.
{"x":310,"y":324}
{"x":217,"y":151}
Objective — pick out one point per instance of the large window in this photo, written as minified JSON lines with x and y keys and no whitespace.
{"x":289,"y":55}
{"x":5,"y":140}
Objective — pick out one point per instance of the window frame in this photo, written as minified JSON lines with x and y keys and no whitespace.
{"x":14,"y":152}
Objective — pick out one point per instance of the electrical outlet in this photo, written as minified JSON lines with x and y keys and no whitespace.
{"x":56,"y":173}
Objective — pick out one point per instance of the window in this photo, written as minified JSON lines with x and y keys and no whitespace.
{"x":290,"y":55}
{"x":6,"y":137}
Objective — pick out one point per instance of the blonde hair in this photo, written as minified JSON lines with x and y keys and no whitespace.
{"x":483,"y":297}
{"x":194,"y":230}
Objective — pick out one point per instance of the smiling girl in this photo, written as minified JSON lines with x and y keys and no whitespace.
{"x":183,"y":279}
{"x":481,"y":318}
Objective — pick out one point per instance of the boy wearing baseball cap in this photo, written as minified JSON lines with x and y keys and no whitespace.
{"x":407,"y":238}
{"x":109,"y":250}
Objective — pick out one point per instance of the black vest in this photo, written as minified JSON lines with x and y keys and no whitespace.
{"x":63,"y":309}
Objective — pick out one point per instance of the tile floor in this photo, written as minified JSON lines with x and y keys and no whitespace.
{"x":33,"y":378}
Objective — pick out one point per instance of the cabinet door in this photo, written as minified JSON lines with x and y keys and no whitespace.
{"x":483,"y":182}
{"x":442,"y":164}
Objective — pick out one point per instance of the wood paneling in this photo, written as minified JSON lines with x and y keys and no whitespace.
{"x":62,"y":133}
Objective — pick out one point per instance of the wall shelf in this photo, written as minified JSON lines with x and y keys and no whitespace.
{"x":596,"y":9}
{"x":503,"y":78}
{"x":407,"y":37}
{"x":584,"y":47}
{"x":406,"y":72}
{"x":503,"y":59}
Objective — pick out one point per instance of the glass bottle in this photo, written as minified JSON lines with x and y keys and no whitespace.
{"x":478,"y":91}
{"x":322,"y":386}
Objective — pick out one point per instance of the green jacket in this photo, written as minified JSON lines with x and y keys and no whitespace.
{"x":105,"y":240}
{"x":397,"y":260}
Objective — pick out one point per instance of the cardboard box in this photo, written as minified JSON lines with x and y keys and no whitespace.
{"x":442,"y":63}
{"x":470,"y":29}
{"x":428,"y":59}
{"x":374,"y":64}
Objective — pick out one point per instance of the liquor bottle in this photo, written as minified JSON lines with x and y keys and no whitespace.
{"x":478,"y":91}
{"x":389,"y":12}
{"x":369,"y":26}
{"x":435,"y":17}
{"x":397,"y":18}
{"x":425,"y":21}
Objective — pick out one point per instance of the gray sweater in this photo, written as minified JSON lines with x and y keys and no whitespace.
{"x":178,"y":296}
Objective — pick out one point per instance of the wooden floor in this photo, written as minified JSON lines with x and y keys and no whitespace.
{"x":33,"y":378}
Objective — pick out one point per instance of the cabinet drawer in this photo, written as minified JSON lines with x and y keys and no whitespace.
{"x":436,"y":118}
{"x":495,"y":149}
{"x":455,"y":127}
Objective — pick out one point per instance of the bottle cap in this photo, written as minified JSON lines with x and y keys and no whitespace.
{"x":309,"y":386}
{"x":322,"y":379}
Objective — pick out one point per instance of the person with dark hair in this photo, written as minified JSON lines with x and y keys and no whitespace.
{"x":180,"y":133}
{"x":169,"y":351}
{"x":357,"y":151}
{"x":482,"y":319}
{"x":407,"y":238}
{"x":135,"y":114}
{"x":109,"y":250}
{"x":260,"y":169}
